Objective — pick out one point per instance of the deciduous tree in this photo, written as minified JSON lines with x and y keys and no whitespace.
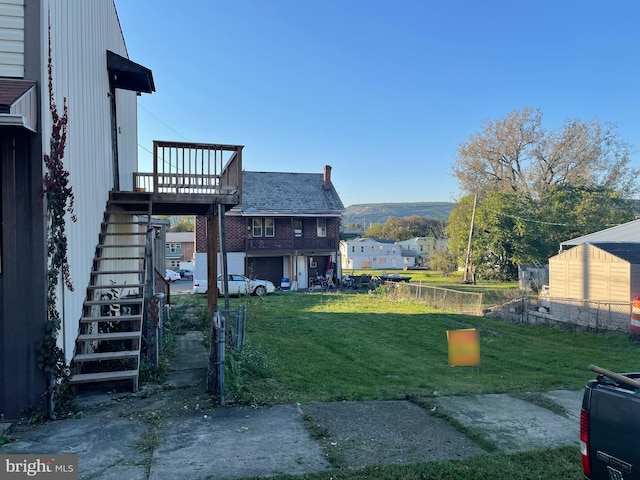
{"x":516,"y":154}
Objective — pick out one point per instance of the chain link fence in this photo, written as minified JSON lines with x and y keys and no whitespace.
{"x":435,"y":297}
{"x":594,"y":315}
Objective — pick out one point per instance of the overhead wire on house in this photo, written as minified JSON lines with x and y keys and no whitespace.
{"x":166,"y":125}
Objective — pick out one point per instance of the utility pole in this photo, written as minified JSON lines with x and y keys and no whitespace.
{"x":467,"y":261}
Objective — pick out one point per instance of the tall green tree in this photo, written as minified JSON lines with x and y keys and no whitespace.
{"x":511,"y":229}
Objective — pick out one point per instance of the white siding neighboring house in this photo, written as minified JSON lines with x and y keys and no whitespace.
{"x":369,"y":253}
{"x":88,"y":55}
{"x":420,"y":248}
{"x":12,"y":38}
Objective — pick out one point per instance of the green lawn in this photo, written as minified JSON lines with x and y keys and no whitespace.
{"x":307,"y":347}
{"x":322,"y":347}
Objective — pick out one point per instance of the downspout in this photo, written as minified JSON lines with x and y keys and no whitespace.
{"x":114,"y":137}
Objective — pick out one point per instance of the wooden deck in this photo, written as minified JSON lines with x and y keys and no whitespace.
{"x":187,"y":179}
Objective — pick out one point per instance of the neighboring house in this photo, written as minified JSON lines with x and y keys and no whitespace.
{"x":288,"y":226}
{"x":109,"y":246}
{"x":593,"y":284}
{"x":370,"y":253}
{"x":179,"y":249}
{"x":420,"y":248}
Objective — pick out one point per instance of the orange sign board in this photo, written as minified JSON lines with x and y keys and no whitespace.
{"x":464,"y":347}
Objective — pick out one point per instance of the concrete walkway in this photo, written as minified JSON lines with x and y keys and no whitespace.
{"x":164,"y":432}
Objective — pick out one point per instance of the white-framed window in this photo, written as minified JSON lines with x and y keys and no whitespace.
{"x":173,"y":247}
{"x":174,"y":264}
{"x":257,"y":227}
{"x":297,"y":227}
{"x":322,"y":227}
{"x":269,"y":227}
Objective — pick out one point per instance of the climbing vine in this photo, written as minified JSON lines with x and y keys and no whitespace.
{"x":59,"y":199}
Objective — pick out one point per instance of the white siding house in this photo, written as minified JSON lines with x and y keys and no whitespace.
{"x":369,"y":253}
{"x":81,"y":34}
{"x":83,"y":44}
{"x":12,"y":38}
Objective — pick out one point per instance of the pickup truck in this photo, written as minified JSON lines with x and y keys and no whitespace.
{"x":610,"y":426}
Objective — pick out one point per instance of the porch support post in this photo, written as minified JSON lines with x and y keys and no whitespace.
{"x":212,"y":297}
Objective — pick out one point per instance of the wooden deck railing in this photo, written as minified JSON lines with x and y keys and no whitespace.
{"x":193,"y":168}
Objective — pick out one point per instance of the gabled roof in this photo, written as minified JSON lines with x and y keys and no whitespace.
{"x":629,"y":252}
{"x":286,"y":194}
{"x":627,"y":232}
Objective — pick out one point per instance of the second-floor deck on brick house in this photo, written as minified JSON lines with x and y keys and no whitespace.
{"x":287,"y":225}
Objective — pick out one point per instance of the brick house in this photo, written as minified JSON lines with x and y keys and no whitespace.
{"x":287,"y":226}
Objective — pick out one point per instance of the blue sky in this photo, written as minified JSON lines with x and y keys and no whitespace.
{"x":383,"y":91}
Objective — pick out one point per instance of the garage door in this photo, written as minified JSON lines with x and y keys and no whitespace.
{"x":265,"y":268}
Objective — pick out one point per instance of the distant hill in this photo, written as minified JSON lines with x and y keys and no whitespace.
{"x":367,"y":213}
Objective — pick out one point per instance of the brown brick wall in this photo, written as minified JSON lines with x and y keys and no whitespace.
{"x":239,"y":228}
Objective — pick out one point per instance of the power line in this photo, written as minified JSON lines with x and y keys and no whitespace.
{"x":555,"y":224}
{"x":163,"y":123}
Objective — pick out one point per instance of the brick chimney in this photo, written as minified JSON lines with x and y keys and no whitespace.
{"x":327,"y":177}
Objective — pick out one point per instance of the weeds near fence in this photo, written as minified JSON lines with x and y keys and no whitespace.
{"x":439,"y":298}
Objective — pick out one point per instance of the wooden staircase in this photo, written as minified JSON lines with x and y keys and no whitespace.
{"x":110,"y":336}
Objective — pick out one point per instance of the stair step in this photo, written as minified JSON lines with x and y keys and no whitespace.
{"x":98,"y":337}
{"x":133,"y":222}
{"x":108,"y":287}
{"x":122,"y":233}
{"x":104,"y":376}
{"x":91,"y":357}
{"x":114,"y":301}
{"x":117,"y":272}
{"x":111,"y":318}
{"x":117,"y":258}
{"x":133,"y":245}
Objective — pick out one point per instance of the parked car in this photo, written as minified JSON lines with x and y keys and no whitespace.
{"x":188,"y":274}
{"x":238,"y":285}
{"x":171,"y":276}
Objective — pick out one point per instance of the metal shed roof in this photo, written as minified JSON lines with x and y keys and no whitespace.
{"x":625,"y":233}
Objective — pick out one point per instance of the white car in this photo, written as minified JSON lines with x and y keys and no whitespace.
{"x":171,"y":276}
{"x":238,"y":285}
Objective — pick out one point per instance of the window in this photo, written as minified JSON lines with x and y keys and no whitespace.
{"x":269,"y":227}
{"x":174,"y":264}
{"x":353,"y":249}
{"x":322,"y":227}
{"x":257,"y":227}
{"x":297,"y":227}
{"x":174,"y":247}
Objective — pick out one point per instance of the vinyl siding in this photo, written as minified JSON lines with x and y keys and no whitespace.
{"x":12,"y":38}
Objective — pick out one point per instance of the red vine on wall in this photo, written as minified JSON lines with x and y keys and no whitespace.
{"x":59,"y":198}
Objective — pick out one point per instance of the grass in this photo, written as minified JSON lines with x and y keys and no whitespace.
{"x":324,"y":347}
{"x":559,"y":463}
{"x":308,"y":347}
